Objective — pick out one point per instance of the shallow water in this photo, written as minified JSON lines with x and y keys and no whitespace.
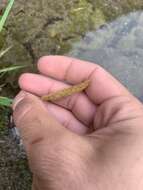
{"x":118,"y":47}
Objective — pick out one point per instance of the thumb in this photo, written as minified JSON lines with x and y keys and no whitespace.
{"x":35,"y":124}
{"x":53,"y":151}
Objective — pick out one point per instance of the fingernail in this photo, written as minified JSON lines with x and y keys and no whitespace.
{"x":18,"y":99}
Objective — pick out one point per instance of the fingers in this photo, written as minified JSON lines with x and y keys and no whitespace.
{"x":34,"y":122}
{"x":102,"y":86}
{"x":80,"y":105}
{"x":66,"y":69}
{"x":67,"y":119}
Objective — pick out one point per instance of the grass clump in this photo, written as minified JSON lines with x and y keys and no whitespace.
{"x":5,"y":101}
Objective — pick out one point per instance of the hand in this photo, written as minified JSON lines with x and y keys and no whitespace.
{"x":89,"y":141}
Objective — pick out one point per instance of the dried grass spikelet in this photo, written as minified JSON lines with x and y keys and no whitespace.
{"x":66,"y":92}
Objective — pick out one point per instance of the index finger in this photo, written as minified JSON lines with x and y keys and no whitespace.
{"x":102,"y":85}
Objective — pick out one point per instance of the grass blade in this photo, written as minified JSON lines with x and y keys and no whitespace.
{"x":7,"y":69}
{"x":6,"y":13}
{"x":4,"y":101}
{"x":2,"y":53}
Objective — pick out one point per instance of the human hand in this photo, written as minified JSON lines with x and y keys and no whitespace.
{"x":89,"y":141}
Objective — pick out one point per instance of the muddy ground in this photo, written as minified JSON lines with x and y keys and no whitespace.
{"x":35,"y":29}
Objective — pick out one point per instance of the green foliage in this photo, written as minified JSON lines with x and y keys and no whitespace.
{"x":2,"y":53}
{"x":12,"y":68}
{"x":5,"y":15}
{"x":4,"y":101}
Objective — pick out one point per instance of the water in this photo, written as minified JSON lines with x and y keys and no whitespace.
{"x":118,"y":47}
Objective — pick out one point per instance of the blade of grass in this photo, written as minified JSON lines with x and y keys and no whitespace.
{"x":4,"y":101}
{"x":7,"y":69}
{"x":2,"y":53}
{"x":6,"y":13}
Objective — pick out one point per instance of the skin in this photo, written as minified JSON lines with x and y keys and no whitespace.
{"x":91,"y":140}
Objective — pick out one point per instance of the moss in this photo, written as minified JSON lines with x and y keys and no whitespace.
{"x":111,"y":9}
{"x":50,"y":26}
{"x":15,"y":56}
{"x":98,"y":18}
{"x":80,"y":17}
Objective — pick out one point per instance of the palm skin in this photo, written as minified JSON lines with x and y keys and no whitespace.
{"x":90,"y":140}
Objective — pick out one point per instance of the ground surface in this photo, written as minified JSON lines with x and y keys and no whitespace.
{"x":36,"y":28}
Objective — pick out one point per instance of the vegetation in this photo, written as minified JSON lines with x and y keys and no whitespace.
{"x":3,"y":18}
{"x":5,"y":101}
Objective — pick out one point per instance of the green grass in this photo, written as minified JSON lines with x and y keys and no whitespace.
{"x":6,"y":14}
{"x":12,"y":68}
{"x":2,"y":53}
{"x":5,"y":101}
